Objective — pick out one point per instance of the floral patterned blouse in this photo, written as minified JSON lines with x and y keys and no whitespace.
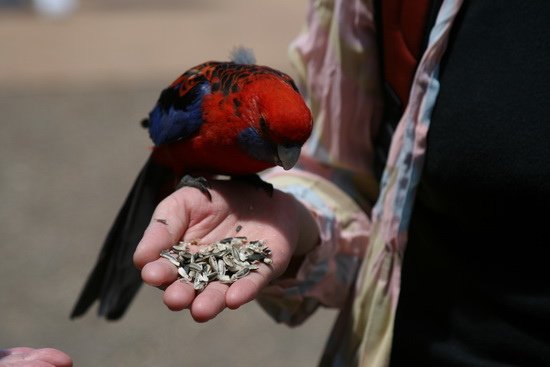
{"x":363,"y":225}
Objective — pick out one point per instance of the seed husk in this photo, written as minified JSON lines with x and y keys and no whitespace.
{"x":226,"y":261}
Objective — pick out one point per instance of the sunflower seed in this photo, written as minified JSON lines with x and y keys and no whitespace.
{"x":170,"y":258}
{"x":225,"y":261}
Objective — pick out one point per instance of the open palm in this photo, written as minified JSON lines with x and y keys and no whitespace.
{"x":236,"y":207}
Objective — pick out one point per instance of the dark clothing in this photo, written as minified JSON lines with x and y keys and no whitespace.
{"x":475,"y":280}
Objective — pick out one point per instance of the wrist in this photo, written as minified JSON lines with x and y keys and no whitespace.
{"x":308,"y":234}
{"x":307,"y":237}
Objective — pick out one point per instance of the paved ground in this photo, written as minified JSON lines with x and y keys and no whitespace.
{"x":71,"y":95}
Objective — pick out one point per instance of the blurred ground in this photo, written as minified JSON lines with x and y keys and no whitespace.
{"x":72,"y":92}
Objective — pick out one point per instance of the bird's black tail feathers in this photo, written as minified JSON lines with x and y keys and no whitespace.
{"x":114,"y":280}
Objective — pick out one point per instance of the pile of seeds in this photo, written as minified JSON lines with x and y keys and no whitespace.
{"x":226,"y":260}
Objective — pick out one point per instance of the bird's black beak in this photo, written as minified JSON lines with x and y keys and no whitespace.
{"x":287,"y":155}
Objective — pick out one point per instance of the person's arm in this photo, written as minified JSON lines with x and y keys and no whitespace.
{"x":338,"y":58}
{"x":337,"y":62}
{"x":321,"y":274}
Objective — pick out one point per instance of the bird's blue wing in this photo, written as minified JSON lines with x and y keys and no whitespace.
{"x":178,"y":116}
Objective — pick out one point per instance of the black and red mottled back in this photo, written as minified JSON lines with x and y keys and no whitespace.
{"x":226,"y":77}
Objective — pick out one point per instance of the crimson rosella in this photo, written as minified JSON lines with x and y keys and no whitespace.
{"x":232,"y":118}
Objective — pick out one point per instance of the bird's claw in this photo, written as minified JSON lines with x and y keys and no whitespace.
{"x":200,"y":183}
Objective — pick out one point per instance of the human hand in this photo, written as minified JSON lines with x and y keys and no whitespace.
{"x":30,"y":357}
{"x":187,"y":214}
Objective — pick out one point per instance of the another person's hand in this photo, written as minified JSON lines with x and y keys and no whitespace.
{"x":187,"y":214}
{"x":30,"y":357}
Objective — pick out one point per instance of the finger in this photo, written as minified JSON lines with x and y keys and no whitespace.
{"x":159,"y":272}
{"x":52,"y":356}
{"x":209,"y":302}
{"x":167,"y":226}
{"x":16,"y":350}
{"x":178,"y":295}
{"x":246,"y":289}
{"x":25,"y":362}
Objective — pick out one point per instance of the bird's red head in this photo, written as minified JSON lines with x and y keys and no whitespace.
{"x":283,"y":110}
{"x":283,"y":118}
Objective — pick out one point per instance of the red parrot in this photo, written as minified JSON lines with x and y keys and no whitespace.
{"x":232,"y":118}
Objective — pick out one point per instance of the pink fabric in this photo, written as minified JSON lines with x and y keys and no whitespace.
{"x":337,"y":59}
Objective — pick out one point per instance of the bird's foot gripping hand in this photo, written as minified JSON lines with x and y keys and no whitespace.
{"x":199,"y":183}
